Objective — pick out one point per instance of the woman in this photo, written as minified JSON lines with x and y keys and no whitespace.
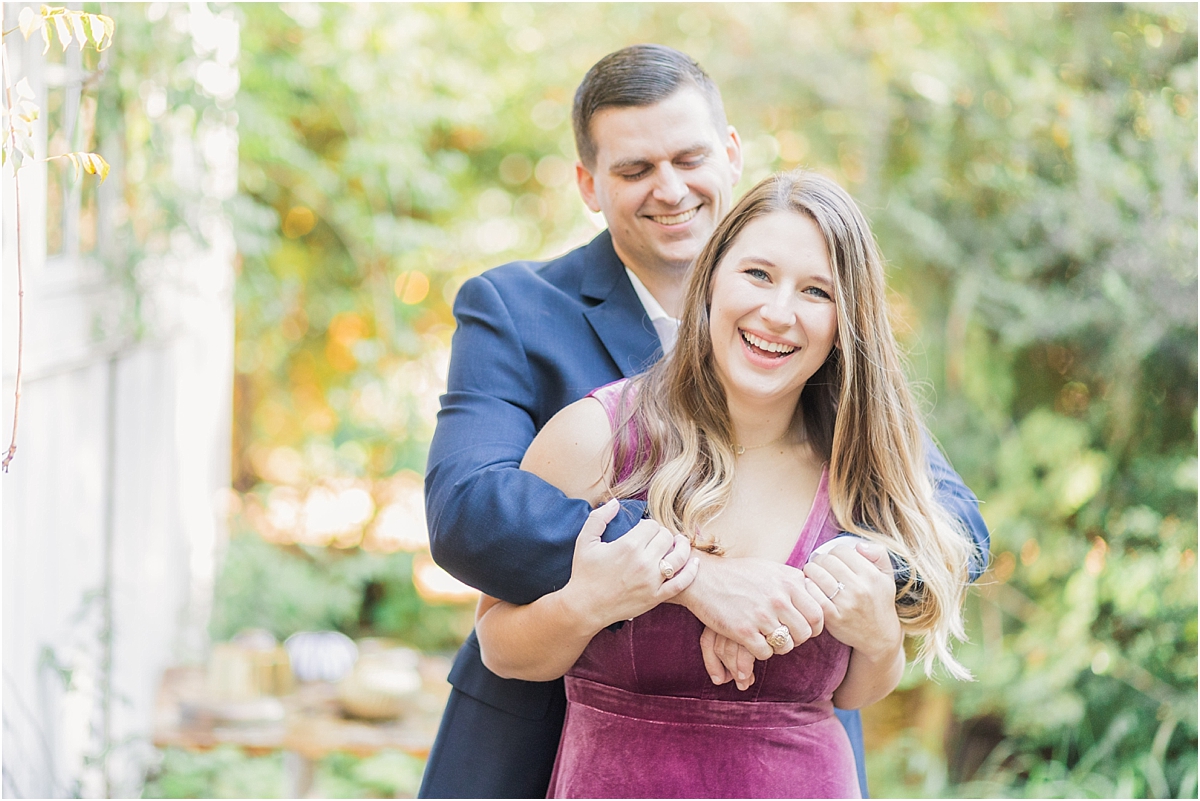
{"x":783,"y":401}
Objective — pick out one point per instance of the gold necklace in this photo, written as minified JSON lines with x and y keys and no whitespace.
{"x":740,"y":449}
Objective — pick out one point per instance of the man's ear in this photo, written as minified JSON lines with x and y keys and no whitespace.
{"x":587,"y":186}
{"x":733,"y":149}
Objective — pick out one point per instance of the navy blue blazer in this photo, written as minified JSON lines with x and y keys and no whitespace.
{"x":531,"y":339}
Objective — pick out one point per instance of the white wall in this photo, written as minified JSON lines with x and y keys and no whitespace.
{"x":111,"y":509}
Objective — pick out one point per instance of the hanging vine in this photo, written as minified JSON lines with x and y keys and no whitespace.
{"x":20,"y":114}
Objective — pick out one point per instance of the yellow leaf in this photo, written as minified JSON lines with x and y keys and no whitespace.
{"x":24,"y":144}
{"x":64,"y":29}
{"x":27,"y":111}
{"x":45,"y":36}
{"x":77,"y":24}
{"x":74,"y":159}
{"x":109,"y":28}
{"x":29,"y":21}
{"x":93,"y":164}
{"x":95,"y":29}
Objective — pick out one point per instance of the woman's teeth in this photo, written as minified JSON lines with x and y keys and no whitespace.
{"x":769,"y":347}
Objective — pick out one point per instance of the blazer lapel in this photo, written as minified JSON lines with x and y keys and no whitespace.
{"x":619,"y":318}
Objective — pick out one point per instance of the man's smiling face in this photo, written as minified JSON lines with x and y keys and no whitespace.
{"x":663,"y":178}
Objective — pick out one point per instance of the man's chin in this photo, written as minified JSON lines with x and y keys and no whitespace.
{"x":674,"y":265}
{"x":680,"y":257}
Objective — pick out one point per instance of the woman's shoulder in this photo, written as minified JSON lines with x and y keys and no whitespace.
{"x":573,"y":451}
{"x":615,"y":398}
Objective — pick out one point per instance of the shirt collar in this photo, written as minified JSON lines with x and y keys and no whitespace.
{"x":653,"y":308}
{"x":665,"y":325}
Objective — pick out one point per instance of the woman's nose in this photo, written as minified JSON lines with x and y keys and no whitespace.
{"x":778,"y":312}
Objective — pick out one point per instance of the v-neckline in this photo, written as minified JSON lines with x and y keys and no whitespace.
{"x":814,"y":522}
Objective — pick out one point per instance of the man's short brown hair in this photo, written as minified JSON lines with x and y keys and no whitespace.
{"x":638,"y":75}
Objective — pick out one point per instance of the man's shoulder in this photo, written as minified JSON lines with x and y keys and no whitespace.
{"x":565,"y":273}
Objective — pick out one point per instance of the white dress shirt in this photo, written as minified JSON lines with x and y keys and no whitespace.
{"x":666,"y":326}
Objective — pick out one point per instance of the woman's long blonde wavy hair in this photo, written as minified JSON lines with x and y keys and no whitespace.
{"x":856,"y":411}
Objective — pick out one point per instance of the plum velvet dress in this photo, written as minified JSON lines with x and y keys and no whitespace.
{"x":644,"y":720}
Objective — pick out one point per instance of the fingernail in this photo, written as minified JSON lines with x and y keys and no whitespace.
{"x":715,"y":679}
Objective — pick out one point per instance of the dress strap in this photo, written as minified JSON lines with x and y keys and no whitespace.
{"x":617,"y":398}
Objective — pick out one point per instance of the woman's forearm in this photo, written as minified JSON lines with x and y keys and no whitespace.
{"x":538,"y":641}
{"x":870,"y":677}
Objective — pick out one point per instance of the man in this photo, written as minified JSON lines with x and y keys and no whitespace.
{"x":659,"y":160}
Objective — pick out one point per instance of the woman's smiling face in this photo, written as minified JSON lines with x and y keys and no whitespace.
{"x":772,"y":317}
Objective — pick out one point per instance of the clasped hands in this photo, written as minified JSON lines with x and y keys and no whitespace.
{"x":755,"y":609}
{"x":752,"y":608}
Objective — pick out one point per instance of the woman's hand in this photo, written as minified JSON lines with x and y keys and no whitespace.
{"x":726,"y":660}
{"x":620,"y":580}
{"x":854,"y":586}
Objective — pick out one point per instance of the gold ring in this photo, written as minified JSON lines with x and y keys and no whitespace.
{"x":665,"y":568}
{"x":779,"y":638}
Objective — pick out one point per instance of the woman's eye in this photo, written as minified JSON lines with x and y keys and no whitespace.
{"x":816,"y":291}
{"x":761,"y":275}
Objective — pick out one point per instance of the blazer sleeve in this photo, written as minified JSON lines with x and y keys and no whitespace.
{"x":959,"y":501}
{"x":491,"y":524}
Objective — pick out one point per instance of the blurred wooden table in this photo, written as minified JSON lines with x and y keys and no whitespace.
{"x":313,"y":724}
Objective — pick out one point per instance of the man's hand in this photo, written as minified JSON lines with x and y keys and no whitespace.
{"x":744,"y":601}
{"x":854,"y":587}
{"x":620,"y":580}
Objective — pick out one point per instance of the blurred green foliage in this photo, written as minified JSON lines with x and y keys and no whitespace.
{"x":1030,"y":170}
{"x":226,"y":772}
{"x":388,"y":774}
{"x":304,"y":588}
